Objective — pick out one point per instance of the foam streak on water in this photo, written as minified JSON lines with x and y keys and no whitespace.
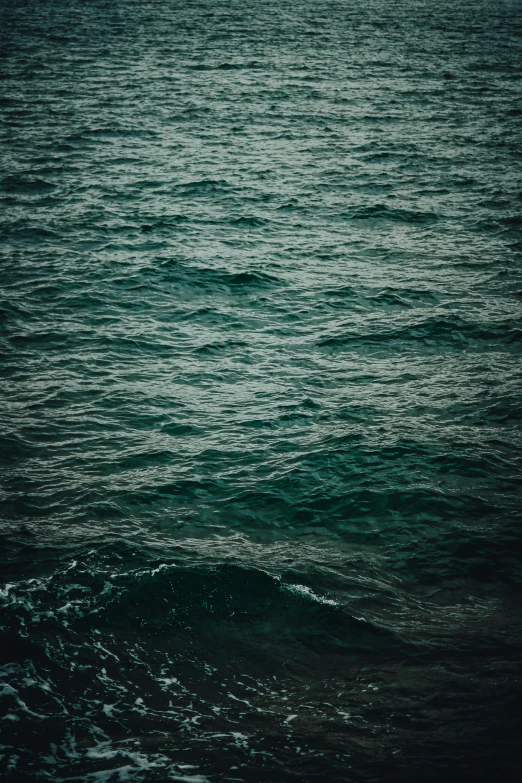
{"x":260,"y":334}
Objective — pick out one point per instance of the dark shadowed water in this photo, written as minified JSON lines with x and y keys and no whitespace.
{"x":261,"y":398}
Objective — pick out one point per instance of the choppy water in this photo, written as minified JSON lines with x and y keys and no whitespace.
{"x":261,"y":399}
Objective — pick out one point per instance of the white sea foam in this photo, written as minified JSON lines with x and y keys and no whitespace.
{"x":306,"y":591}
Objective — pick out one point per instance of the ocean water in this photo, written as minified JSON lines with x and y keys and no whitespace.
{"x":261,"y":396}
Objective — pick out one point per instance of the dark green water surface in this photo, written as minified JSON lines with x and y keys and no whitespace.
{"x":261,"y":401}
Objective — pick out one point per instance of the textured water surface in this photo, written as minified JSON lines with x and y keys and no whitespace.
{"x":261,"y":390}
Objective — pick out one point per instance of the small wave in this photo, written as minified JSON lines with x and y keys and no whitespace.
{"x":224,"y":66}
{"x":209,"y":278}
{"x":202,"y":187}
{"x":221,"y":347}
{"x":250,"y":279}
{"x":164,"y":224}
{"x":249,"y":222}
{"x":90,"y":134}
{"x":382,"y":212}
{"x":345,"y":292}
{"x":403,"y":297}
{"x":230,"y":66}
{"x":449,"y":332}
{"x":23,"y":231}
{"x":25,"y":184}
